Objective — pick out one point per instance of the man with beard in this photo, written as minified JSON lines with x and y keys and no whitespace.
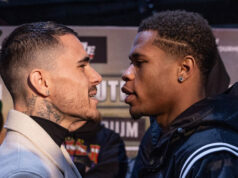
{"x":173,"y":61}
{"x":47,"y":72}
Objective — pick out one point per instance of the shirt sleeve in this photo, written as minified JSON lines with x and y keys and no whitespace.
{"x":216,"y":165}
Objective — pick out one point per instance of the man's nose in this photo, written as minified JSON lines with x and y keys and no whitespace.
{"x":129,"y":74}
{"x":95,"y":78}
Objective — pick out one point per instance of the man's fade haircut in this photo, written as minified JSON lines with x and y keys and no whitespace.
{"x":20,"y":49}
{"x":183,"y":33}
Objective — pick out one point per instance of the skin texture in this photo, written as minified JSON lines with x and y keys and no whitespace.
{"x":152,"y":82}
{"x":65,"y":93}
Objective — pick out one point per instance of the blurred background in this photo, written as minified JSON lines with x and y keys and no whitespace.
{"x":220,"y":13}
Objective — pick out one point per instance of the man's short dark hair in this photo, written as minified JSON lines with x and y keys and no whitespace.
{"x":184,"y":33}
{"x":21,"y":48}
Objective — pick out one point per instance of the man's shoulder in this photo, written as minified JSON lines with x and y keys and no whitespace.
{"x":207,"y":146}
{"x":208,"y":136}
{"x":17,"y":158}
{"x":16,"y":162}
{"x":108,"y":132}
{"x":203,"y":143}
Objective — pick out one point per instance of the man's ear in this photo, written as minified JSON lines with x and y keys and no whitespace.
{"x":38,"y":81}
{"x":186,"y":68}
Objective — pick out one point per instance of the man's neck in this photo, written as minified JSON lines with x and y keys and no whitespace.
{"x":43,"y":108}
{"x":182,"y":104}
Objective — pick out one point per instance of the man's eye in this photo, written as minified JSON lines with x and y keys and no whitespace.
{"x":137,"y":63}
{"x":82,"y":66}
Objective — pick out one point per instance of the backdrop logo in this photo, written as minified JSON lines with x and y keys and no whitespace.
{"x":109,"y":92}
{"x":128,"y":129}
{"x":96,"y":47}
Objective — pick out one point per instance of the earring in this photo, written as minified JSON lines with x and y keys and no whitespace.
{"x":180,"y":79}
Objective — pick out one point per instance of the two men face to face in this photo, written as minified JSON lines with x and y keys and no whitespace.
{"x":147,"y":79}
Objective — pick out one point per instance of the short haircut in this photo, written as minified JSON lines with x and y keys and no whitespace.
{"x":22,"y":47}
{"x":184,"y":33}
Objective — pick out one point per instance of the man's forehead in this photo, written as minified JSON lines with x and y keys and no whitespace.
{"x":143,"y":41}
{"x":145,"y":37}
{"x":68,"y":38}
{"x":72,"y":42}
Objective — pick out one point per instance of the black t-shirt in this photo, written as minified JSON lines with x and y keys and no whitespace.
{"x":56,"y":132}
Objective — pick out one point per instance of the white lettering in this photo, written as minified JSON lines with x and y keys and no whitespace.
{"x":117,"y":129}
{"x":105,"y":123}
{"x":111,"y":125}
{"x":122,"y":134}
{"x":113,"y":89}
{"x":85,"y":45}
{"x":125,"y":129}
{"x":132,"y":129}
{"x":228,"y":48}
{"x":91,"y":49}
{"x":102,"y":91}
{"x":122,"y":95}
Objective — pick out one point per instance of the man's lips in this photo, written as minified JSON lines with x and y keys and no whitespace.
{"x":126,"y":90}
{"x":92,"y":94}
{"x":130,"y":94}
{"x":92,"y":91}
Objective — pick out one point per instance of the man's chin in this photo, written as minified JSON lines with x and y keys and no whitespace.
{"x":135,"y":115}
{"x":95,"y":116}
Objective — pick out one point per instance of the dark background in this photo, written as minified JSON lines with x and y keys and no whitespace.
{"x":220,"y":13}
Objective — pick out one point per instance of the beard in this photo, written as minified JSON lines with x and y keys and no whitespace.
{"x":97,"y":118}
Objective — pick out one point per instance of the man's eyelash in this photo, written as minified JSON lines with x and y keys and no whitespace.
{"x":82,"y":65}
{"x":136,"y":62}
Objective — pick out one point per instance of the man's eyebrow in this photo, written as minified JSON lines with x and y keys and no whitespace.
{"x":85,"y":59}
{"x":134,"y":56}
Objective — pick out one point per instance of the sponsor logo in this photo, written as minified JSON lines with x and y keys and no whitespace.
{"x":109,"y":92}
{"x":96,"y":48}
{"x":113,"y":87}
